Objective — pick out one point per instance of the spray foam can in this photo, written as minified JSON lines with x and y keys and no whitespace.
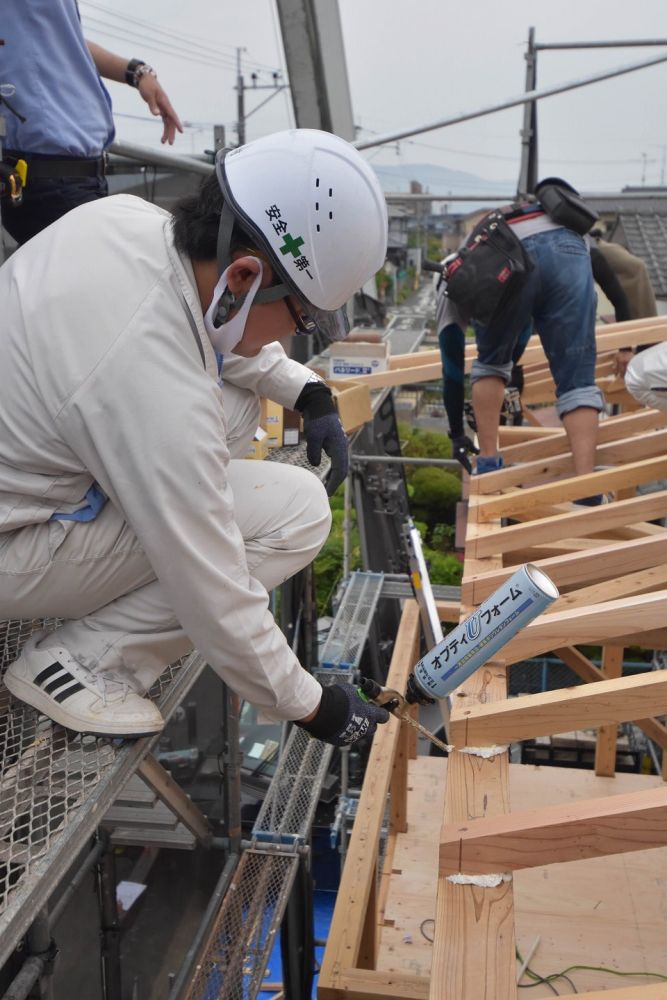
{"x":474,"y":641}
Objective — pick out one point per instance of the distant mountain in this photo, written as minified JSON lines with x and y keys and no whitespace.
{"x":440,"y":180}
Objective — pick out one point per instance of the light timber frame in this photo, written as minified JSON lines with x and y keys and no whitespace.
{"x":609,"y":564}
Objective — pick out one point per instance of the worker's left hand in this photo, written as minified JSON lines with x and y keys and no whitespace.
{"x":323,"y":430}
{"x":159,"y":104}
{"x":462,"y":446}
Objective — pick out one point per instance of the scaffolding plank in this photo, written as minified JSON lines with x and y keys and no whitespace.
{"x":55,"y":786}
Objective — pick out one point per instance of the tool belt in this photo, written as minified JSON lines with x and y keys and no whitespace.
{"x":41,"y":166}
{"x":487,"y":274}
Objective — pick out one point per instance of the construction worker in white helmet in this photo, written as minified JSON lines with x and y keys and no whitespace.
{"x":134,"y":347}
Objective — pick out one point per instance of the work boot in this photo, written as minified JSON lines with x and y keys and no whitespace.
{"x":488,"y":464}
{"x":48,"y":678}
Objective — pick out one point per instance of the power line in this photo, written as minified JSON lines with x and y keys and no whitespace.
{"x":169,"y":48}
{"x":193,"y":40}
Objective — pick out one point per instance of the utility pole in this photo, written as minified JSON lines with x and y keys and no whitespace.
{"x":240,"y":101}
{"x":528,"y":171}
{"x":241,"y":88}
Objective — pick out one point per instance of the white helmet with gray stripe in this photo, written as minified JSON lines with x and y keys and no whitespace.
{"x":315,"y":208}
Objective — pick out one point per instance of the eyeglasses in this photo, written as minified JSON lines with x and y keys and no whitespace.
{"x":302,"y":324}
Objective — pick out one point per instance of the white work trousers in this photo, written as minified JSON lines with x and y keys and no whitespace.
{"x":96,"y":575}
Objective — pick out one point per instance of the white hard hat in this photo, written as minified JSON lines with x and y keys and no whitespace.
{"x":315,"y":208}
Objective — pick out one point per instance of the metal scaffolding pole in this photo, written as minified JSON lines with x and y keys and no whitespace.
{"x":512,"y":102}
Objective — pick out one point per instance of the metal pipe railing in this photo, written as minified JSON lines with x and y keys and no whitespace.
{"x":512,"y":102}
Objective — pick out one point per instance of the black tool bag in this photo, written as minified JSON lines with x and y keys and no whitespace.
{"x":489,"y":270}
{"x":567,"y":208}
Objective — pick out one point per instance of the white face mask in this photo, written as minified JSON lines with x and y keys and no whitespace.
{"x":226,"y":336}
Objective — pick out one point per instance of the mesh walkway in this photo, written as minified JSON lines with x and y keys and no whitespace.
{"x":55,"y":786}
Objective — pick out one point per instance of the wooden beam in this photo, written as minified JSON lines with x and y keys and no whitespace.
{"x":401,"y":376}
{"x":361,"y":984}
{"x":632,"y":449}
{"x":630,"y":474}
{"x":629,"y":585}
{"x":583,"y":667}
{"x":568,"y":831}
{"x":576,"y":524}
{"x":623,"y":699}
{"x":346,"y":933}
{"x":578,"y":568}
{"x":605,"y":746}
{"x":597,"y":623}
{"x":613,"y":428}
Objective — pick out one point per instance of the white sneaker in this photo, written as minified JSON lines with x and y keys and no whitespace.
{"x":51,"y":680}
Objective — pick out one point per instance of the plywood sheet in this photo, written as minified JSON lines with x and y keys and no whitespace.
{"x":607,"y":911}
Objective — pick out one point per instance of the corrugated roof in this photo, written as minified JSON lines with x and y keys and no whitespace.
{"x":646,"y":237}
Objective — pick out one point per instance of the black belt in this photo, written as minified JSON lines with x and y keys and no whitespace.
{"x":43,"y":167}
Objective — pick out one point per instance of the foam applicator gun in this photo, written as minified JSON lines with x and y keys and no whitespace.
{"x":477,"y":639}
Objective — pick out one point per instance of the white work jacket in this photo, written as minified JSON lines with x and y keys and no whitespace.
{"x":646,"y":377}
{"x":107,"y":375}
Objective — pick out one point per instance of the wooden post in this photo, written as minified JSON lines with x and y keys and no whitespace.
{"x":605,"y":747}
{"x":398,"y":790}
{"x":368,"y":948}
{"x":473,"y":948}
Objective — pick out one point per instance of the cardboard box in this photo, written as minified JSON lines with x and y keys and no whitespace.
{"x":349,"y":359}
{"x":260,"y":445}
{"x":353,"y":402}
{"x":271,"y":419}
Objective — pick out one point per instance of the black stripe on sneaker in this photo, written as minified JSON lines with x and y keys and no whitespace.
{"x":67,"y":692}
{"x":47,"y":672}
{"x":63,"y":678}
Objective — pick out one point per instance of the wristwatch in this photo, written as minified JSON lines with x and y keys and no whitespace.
{"x":135,"y":69}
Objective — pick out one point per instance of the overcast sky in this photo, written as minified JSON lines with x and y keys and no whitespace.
{"x":414,"y":63}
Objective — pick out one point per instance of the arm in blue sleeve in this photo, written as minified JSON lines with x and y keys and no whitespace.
{"x":452,"y":350}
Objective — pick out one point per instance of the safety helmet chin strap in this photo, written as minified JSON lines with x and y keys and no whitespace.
{"x":225,"y":332}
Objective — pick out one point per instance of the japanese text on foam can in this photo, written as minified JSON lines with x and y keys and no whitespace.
{"x":474,"y":641}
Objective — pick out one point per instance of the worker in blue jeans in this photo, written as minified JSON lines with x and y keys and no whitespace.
{"x":559,"y":298}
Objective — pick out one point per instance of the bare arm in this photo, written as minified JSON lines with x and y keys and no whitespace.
{"x":112,"y":67}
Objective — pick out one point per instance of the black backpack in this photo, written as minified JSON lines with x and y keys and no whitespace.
{"x":489,"y":270}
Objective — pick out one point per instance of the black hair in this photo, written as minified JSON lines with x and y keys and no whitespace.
{"x":196,"y":221}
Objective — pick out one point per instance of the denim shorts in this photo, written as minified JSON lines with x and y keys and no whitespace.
{"x":559,"y":297}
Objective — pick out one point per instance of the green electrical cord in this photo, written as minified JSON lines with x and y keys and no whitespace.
{"x":574,"y":968}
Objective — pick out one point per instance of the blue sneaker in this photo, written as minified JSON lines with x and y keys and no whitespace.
{"x":488,"y":464}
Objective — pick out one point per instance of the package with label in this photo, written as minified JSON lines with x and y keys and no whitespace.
{"x":349,"y":359}
{"x":291,"y":427}
{"x":260,"y":445}
{"x":271,"y":419}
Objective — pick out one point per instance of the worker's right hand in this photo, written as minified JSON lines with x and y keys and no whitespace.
{"x":344,"y":716}
{"x":159,"y":104}
{"x":621,"y":360}
{"x":462,"y":446}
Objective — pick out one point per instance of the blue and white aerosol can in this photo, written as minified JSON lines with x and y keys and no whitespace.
{"x":474,"y":641}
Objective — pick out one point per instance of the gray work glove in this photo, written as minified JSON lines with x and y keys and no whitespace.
{"x":344,"y":716}
{"x":323,"y":430}
{"x":462,"y":446}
